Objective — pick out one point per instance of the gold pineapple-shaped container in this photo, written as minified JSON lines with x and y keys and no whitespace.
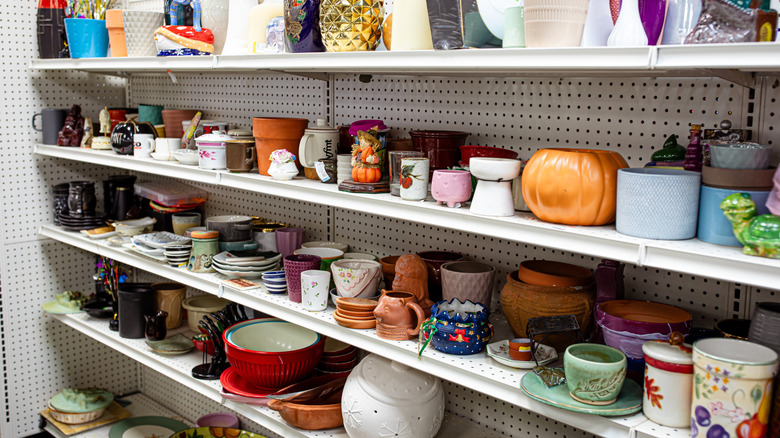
{"x":351,"y":25}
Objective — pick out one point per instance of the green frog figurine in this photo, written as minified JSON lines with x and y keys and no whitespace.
{"x":759,"y":234}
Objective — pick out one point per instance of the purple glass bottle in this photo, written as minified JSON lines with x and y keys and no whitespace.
{"x":694,"y":157}
{"x":653,"y":13}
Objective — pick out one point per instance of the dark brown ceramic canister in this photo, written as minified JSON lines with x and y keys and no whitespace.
{"x":441,"y":147}
{"x":240,"y":155}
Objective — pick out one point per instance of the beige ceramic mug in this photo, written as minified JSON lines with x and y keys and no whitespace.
{"x":318,"y":142}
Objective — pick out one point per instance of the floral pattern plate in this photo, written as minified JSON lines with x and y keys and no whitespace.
{"x":215,"y":432}
{"x":499,"y":351}
{"x":629,"y":400}
{"x":160,"y":239}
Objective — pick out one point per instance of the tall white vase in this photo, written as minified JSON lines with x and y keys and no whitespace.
{"x":598,"y":24}
{"x":238,"y":27}
{"x":628,"y":30}
{"x":410,"y":20}
{"x":214,"y":16}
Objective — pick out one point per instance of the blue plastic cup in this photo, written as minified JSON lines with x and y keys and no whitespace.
{"x":87,"y":38}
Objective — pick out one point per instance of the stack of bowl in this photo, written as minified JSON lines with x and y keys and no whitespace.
{"x":338,"y":359}
{"x":355,"y":313}
{"x":244,"y":267}
{"x":177,"y":254}
{"x":271,"y":354}
{"x":740,"y":167}
{"x":275,"y":282}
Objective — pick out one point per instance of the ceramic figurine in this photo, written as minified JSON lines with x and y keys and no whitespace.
{"x":457,"y":328}
{"x":366,"y":158}
{"x":671,"y":151}
{"x":275,"y":36}
{"x":282,"y":165}
{"x":73,"y":129}
{"x":411,"y":275}
{"x":105,"y":122}
{"x":759,"y":234}
{"x":183,"y":41}
{"x":177,"y":5}
{"x":86,"y":141}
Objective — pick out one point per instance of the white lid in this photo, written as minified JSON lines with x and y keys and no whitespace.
{"x":216,"y":137}
{"x":394,"y":383}
{"x":665,"y":352}
{"x":240,"y":133}
{"x":321,"y":125}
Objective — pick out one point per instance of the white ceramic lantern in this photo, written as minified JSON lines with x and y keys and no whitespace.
{"x":386,"y":398}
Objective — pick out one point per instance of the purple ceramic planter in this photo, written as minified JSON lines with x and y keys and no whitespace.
{"x":302,"y":26}
{"x":628,"y":335}
{"x":293,"y":266}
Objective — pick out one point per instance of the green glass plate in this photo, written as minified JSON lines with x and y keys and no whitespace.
{"x":217,"y":432}
{"x":629,"y":400}
{"x":142,"y":427}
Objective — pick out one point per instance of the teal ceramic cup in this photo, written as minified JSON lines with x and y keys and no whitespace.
{"x":594,"y":373}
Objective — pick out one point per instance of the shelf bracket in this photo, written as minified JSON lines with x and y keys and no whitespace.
{"x":746,"y":79}
{"x":305,"y":74}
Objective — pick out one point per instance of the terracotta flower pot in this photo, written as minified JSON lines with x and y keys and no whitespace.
{"x":172,"y":120}
{"x":521,"y":301}
{"x":388,"y":269}
{"x":272,"y":133}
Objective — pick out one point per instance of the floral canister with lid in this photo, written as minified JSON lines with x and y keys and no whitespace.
{"x":668,"y":381}
{"x":732,"y":388}
{"x":385,"y":398}
{"x":211,"y":150}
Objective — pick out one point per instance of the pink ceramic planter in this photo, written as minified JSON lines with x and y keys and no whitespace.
{"x":452,"y":187}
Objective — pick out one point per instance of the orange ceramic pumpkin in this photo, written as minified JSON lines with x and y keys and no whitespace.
{"x":572,"y":186}
{"x":366,"y":174}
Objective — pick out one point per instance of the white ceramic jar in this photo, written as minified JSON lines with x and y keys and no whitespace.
{"x":668,"y":383}
{"x":211,"y":150}
{"x":386,"y":398}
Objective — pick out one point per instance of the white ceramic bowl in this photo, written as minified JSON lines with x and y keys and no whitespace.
{"x":494,"y":169}
{"x":359,"y":256}
{"x":323,"y":253}
{"x":134,"y":227}
{"x":323,"y":244}
{"x":199,"y":306}
{"x":356,"y":278}
{"x":186,"y":156}
{"x":740,"y":156}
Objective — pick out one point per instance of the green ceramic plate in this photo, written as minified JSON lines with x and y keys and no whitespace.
{"x":217,"y":432}
{"x":629,"y":400}
{"x":176,"y":344}
{"x":142,"y":427}
{"x":57,"y":308}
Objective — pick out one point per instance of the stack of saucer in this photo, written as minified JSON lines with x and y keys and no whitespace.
{"x":338,"y":359}
{"x":355,"y":313}
{"x":275,"y":282}
{"x":83,"y":222}
{"x":177,"y":254}
{"x":246,"y":266}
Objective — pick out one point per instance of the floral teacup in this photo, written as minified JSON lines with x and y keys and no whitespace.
{"x":356,"y":278}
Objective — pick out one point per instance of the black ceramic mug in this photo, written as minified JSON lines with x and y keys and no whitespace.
{"x":52,"y":120}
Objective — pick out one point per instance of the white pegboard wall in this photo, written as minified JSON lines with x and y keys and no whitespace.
{"x":42,"y":355}
{"x":632,"y":116}
{"x":234,"y":98}
{"x":706,"y":299}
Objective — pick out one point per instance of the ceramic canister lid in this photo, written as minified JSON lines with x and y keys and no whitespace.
{"x":217,"y":138}
{"x":207,"y":234}
{"x":365,"y":125}
{"x":321,"y":125}
{"x":394,"y":383}
{"x":665,"y":356}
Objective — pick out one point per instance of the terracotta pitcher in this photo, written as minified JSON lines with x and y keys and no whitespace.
{"x":272,"y":133}
{"x":398,"y":316}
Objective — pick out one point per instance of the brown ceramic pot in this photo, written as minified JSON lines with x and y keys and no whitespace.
{"x":398,"y":316}
{"x":549,"y":273}
{"x":173,"y":119}
{"x":388,"y":269}
{"x":434,"y":260}
{"x":272,"y":133}
{"x":316,"y":414}
{"x":442,"y":148}
{"x":521,"y":301}
{"x":169,"y":299}
{"x":472,"y":281}
{"x":734,"y":328}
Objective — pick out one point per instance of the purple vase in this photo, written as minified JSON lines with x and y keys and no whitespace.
{"x":653,"y":13}
{"x":609,"y":287}
{"x":302,"y":26}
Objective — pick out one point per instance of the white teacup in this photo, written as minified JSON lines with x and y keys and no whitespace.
{"x":143,"y":145}
{"x":164,"y":147}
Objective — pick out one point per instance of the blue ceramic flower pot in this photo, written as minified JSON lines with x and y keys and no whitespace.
{"x":458,"y":328}
{"x":713,"y":225}
{"x":87,"y":38}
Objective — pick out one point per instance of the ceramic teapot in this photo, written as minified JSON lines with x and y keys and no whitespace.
{"x":122,"y":137}
{"x":398,"y":316}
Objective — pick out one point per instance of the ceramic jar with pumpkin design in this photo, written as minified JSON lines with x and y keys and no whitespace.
{"x":668,"y":381}
{"x":732,"y":388}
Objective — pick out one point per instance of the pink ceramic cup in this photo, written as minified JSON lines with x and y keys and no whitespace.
{"x":451,"y":186}
{"x":288,"y":239}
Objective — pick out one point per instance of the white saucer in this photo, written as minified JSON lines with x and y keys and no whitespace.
{"x":163,"y":157}
{"x":499,"y":351}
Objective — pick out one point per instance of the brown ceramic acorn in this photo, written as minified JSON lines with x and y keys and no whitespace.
{"x":411,"y":275}
{"x":398,"y":316}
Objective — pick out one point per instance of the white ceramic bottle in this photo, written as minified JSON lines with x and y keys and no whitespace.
{"x":259,"y":16}
{"x":410,"y":18}
{"x":628,"y":30}
{"x":681,"y":16}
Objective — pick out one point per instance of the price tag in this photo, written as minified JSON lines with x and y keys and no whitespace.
{"x":320,"y":167}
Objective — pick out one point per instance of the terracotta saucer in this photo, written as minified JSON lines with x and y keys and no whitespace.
{"x":354,"y":324}
{"x":235,"y":384}
{"x":356,"y":304}
{"x":356,"y":315}
{"x":557,"y":274}
{"x":354,"y":318}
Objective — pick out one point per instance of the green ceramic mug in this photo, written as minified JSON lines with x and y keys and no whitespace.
{"x":594,"y":373}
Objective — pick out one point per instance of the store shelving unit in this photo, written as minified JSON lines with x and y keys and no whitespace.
{"x":691,"y":256}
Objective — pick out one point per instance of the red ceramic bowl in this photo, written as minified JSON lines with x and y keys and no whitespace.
{"x":272,"y":354}
{"x":206,"y":346}
{"x":469,"y":151}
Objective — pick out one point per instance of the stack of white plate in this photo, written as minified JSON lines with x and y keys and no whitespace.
{"x":154,"y":244}
{"x":244,"y":267}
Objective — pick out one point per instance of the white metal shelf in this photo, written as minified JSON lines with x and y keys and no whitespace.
{"x":477,"y":372}
{"x":690,"y":256}
{"x":179,"y":367}
{"x":140,"y":405}
{"x":688,"y":59}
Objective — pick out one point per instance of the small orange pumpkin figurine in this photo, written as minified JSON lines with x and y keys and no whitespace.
{"x":572,"y":186}
{"x":365,"y":158}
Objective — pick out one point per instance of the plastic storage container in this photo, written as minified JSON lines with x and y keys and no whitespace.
{"x":170,"y":193}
